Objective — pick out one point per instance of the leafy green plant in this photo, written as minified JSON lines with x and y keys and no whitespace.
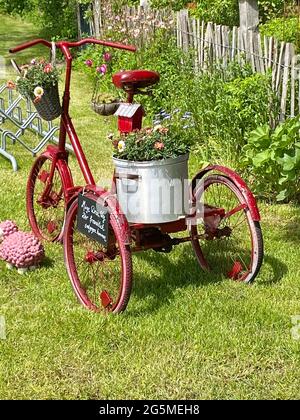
{"x":273,"y":159}
{"x":174,"y":4}
{"x":226,"y":106}
{"x":283,"y":29}
{"x":225,"y":12}
{"x":270,"y":9}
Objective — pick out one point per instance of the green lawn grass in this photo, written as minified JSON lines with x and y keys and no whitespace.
{"x":185,"y":334}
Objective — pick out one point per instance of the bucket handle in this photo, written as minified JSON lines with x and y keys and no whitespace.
{"x":132,"y":177}
{"x":128,"y":176}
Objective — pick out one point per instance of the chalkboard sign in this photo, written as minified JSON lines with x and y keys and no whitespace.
{"x":92,"y":219}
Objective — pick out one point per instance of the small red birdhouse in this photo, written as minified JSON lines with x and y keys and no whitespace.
{"x":130,"y":117}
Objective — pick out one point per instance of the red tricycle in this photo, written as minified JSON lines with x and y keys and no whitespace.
{"x":222,"y":224}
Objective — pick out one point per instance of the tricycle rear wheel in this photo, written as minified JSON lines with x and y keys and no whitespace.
{"x":232,"y":243}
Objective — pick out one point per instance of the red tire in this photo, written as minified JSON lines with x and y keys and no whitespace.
{"x":46,"y":212}
{"x":231,"y":245}
{"x":101,"y":277}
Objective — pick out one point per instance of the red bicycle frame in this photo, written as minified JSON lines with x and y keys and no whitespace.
{"x":66,"y":125}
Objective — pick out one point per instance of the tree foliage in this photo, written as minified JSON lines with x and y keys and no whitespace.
{"x":56,"y":18}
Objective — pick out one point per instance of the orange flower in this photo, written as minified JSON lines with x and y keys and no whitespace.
{"x":159,"y":145}
{"x":48,"y":68}
{"x":163,"y":130}
{"x":11,"y":85}
{"x":37,"y":99}
{"x":149,"y":130}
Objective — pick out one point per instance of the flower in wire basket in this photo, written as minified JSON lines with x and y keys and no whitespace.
{"x":37,"y":74}
{"x":39,"y":82}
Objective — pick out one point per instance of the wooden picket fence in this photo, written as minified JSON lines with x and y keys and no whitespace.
{"x":212,"y":44}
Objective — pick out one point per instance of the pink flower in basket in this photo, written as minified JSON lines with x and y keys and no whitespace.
{"x":89,"y":63}
{"x":48,"y":68}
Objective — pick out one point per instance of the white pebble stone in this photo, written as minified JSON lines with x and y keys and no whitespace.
{"x":22,"y":270}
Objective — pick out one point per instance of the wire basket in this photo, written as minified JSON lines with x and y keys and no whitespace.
{"x":49,"y":105}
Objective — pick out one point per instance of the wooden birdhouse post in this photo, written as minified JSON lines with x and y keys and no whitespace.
{"x":130,"y":117}
{"x":249,"y":15}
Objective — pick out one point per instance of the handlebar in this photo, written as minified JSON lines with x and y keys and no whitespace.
{"x":64,"y":45}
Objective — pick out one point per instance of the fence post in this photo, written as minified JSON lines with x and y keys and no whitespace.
{"x":249,"y":15}
{"x":97,"y":17}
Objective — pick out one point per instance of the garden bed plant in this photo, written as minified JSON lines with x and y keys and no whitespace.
{"x":169,"y":138}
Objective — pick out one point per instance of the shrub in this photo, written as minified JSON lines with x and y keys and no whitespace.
{"x":225,"y":12}
{"x":273,"y":159}
{"x":56,"y":18}
{"x":270,"y":9}
{"x":226,"y":107}
{"x":16,"y":6}
{"x":284,"y":29}
{"x":174,"y":4}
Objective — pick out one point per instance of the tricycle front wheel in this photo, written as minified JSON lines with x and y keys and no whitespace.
{"x":101,"y":276}
{"x":226,"y":238}
{"x":45,"y":199}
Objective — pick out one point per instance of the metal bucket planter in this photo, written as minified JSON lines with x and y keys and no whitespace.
{"x":49,"y":106}
{"x":153,"y":192}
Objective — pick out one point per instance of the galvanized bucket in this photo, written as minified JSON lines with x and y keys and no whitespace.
{"x":153,"y":192}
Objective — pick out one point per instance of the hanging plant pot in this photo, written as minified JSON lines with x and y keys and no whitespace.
{"x":105,"y":109}
{"x":48,"y":107}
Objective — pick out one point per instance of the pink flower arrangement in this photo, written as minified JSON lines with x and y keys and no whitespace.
{"x":89,"y":63}
{"x":159,"y":145}
{"x":107,"y":57}
{"x":102,"y":69}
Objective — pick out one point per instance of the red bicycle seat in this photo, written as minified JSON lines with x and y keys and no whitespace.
{"x":135,"y":79}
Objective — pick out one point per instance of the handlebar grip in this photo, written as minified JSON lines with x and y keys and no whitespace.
{"x":29,"y":44}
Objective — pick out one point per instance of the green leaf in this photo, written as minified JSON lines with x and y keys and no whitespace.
{"x":261,"y":158}
{"x":282,"y":195}
{"x":260,"y":136}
